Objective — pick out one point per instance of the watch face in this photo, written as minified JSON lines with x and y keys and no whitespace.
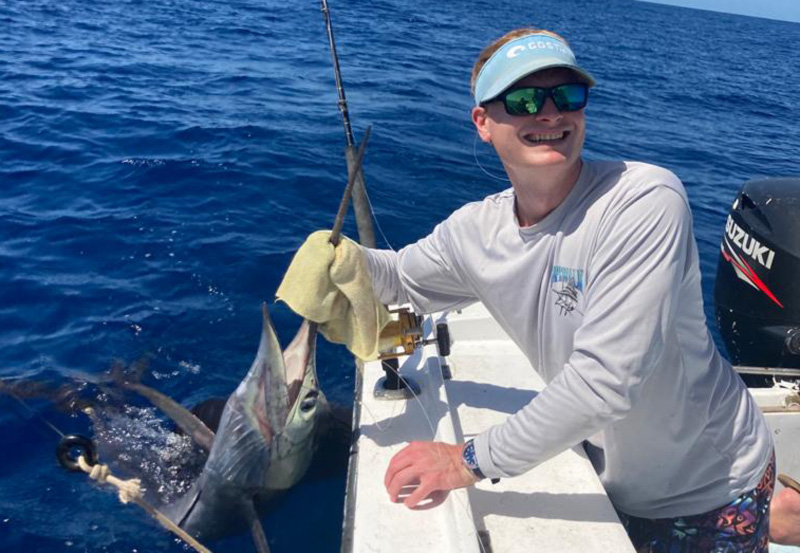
{"x":468,"y":454}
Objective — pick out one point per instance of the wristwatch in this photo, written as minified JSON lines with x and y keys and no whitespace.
{"x":470,"y":460}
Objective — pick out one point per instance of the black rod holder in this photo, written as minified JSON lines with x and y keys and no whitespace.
{"x":392,"y":369}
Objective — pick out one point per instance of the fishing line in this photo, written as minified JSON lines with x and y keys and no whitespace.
{"x":34,"y":413}
{"x":375,"y":218}
{"x":458,"y":500}
{"x":477,"y":161}
{"x":419,"y":402}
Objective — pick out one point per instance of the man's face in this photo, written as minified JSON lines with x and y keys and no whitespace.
{"x":548,"y":138}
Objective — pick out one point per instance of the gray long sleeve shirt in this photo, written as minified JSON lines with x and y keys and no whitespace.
{"x":603,"y":296}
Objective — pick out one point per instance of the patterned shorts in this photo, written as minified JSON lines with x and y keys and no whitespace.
{"x":740,"y":526}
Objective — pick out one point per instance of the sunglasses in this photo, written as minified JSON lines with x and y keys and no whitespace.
{"x":530,"y":100}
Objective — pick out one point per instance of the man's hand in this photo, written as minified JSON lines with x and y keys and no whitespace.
{"x":431,"y":466}
{"x":784,"y":517}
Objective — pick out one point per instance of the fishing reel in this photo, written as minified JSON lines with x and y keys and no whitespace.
{"x":405,"y":334}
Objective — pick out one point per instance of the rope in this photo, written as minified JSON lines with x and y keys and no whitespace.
{"x":130,"y":491}
{"x":789,"y":482}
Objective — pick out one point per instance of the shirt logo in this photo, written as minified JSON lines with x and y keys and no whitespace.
{"x":567,"y":284}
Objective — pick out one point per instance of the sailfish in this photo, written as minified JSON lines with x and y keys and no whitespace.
{"x":265,"y":441}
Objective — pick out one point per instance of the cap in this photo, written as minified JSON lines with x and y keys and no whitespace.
{"x":521,"y":57}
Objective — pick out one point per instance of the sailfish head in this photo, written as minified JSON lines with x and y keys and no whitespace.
{"x":265,"y":438}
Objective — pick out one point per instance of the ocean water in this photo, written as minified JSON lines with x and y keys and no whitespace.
{"x":160,"y":162}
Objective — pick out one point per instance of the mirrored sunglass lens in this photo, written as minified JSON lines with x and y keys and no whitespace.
{"x":525,"y":101}
{"x":570,"y":97}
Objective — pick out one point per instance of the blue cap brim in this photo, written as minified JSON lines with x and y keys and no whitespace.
{"x":521,"y":57}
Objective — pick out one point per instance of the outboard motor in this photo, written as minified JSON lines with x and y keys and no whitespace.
{"x":757,"y":291}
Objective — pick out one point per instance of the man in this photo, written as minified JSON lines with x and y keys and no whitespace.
{"x":592,"y":269}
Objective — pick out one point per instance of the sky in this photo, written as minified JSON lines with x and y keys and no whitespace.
{"x":787,"y":10}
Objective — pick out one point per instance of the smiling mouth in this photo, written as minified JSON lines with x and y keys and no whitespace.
{"x":543,"y":138}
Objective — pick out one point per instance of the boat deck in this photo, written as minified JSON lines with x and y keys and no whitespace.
{"x":558,"y":506}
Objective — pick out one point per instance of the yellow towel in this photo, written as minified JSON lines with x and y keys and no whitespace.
{"x":332,"y":287}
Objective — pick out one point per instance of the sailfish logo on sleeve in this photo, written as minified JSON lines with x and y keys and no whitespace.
{"x":567,"y":285}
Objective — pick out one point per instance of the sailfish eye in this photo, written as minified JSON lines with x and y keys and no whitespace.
{"x":310,"y":401}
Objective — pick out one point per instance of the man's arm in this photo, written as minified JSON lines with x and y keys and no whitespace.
{"x":424,"y":274}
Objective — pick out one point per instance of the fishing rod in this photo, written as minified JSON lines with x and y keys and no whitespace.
{"x":361,"y":204}
{"x":405,"y":333}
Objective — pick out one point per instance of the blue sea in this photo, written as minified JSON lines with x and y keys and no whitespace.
{"x":161,"y":161}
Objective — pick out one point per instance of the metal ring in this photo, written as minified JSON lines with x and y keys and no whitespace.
{"x":73,"y":446}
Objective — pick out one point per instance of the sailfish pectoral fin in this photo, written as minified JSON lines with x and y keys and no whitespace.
{"x":256,"y":529}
